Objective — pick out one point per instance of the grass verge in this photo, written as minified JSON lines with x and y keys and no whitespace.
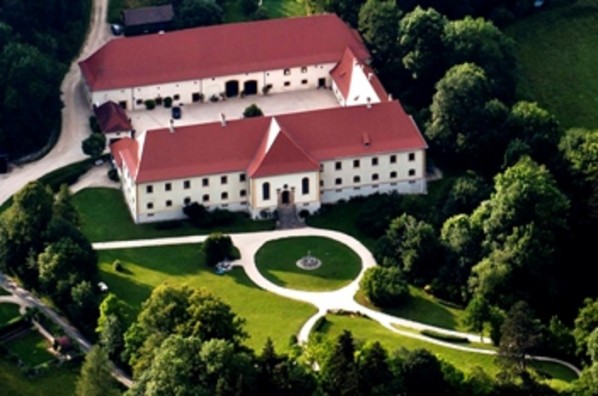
{"x":105,"y":217}
{"x":556,"y":49}
{"x":8,"y":312}
{"x":30,"y":348}
{"x":277,"y":259}
{"x":421,"y":307}
{"x":267,"y":315}
{"x":365,"y":329}
{"x":58,"y":381}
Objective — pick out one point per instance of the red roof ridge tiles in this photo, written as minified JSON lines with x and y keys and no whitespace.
{"x":112,"y":118}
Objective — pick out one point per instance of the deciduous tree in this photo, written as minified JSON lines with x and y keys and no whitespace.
{"x":95,"y":378}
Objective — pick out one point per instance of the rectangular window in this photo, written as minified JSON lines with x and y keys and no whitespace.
{"x":287,"y":72}
{"x":375,"y":161}
{"x":304,"y":69}
{"x":186,"y":184}
{"x":338,"y":181}
{"x":356,"y":163}
{"x":149,"y":189}
{"x":168,"y":203}
{"x":304,"y":82}
{"x":411,"y":156}
{"x":287,"y":83}
{"x":243,"y":193}
{"x":393,"y":159}
{"x":411,"y":172}
{"x":150,"y":205}
{"x":205,"y":182}
{"x":242,"y":177}
{"x":223,"y":180}
{"x":168,"y":186}
{"x":224,"y":196}
{"x":338,"y":165}
{"x":176,"y":97}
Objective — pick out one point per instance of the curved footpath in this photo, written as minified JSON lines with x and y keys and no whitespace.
{"x":75,"y":114}
{"x":341,"y":299}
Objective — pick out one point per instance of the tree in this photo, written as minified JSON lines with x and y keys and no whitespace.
{"x":338,"y":373}
{"x":585,"y":322}
{"x":477,"y":314}
{"x":95,"y":378}
{"x":347,"y":10}
{"x":249,"y":7}
{"x":193,"y":13}
{"x":385,"y":287}
{"x":252,"y":111}
{"x":416,"y":247}
{"x":466,"y":119}
{"x":373,"y":374}
{"x":422,"y":47}
{"x":520,"y":335}
{"x":422,"y":374}
{"x":83,"y":307}
{"x":94,"y":145}
{"x":63,"y":206}
{"x":480,"y":42}
{"x":111,"y":326}
{"x":217,"y":247}
{"x":379,"y":25}
{"x":466,"y":193}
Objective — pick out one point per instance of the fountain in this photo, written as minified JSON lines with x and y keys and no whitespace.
{"x":309,"y":262}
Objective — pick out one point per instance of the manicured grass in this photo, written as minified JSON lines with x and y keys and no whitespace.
{"x":8,"y":312}
{"x":55,"y":382}
{"x":267,"y":315}
{"x":105,"y":217}
{"x":277,"y":259}
{"x":421,"y":307}
{"x":556,"y":49}
{"x":366,"y":329}
{"x":30,"y":348}
{"x":276,"y":9}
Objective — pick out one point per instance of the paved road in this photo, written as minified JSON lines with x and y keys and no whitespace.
{"x":249,"y":243}
{"x":75,"y":115}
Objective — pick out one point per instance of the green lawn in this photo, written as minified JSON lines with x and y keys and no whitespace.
{"x":31,"y":348}
{"x":267,"y":314}
{"x":556,"y":49}
{"x":276,"y":9}
{"x":55,"y":382}
{"x":8,"y":312}
{"x":277,"y":259}
{"x":366,"y":329}
{"x":105,"y":217}
{"x":421,"y":307}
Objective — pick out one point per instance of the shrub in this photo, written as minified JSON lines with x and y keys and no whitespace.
{"x":266,"y":89}
{"x":218,"y":247}
{"x":252,"y":111}
{"x":94,"y":125}
{"x":117,"y":266}
{"x":113,"y":175}
{"x":445,"y":337}
{"x":320,"y":323}
{"x":385,"y":287}
{"x":168,"y":102}
{"x":304,"y":213}
{"x":150,"y":104}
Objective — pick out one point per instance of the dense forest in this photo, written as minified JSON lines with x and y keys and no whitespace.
{"x":38,"y":40}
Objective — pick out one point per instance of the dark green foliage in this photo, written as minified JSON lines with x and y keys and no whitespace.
{"x":111,"y":326}
{"x":422,"y":374}
{"x":201,"y":217}
{"x":373,"y":373}
{"x":585,"y":322}
{"x":376,"y":213}
{"x":347,"y":10}
{"x":67,"y":175}
{"x":339,"y":371}
{"x":150,"y":104}
{"x":192,"y":13}
{"x":218,"y":247}
{"x":466,"y":193}
{"x":385,"y":287}
{"x":113,"y":175}
{"x":95,"y":378}
{"x":252,"y":111}
{"x":249,"y":7}
{"x":94,"y":125}
{"x":167,"y":102}
{"x":379,"y":24}
{"x":477,"y":314}
{"x":94,"y":145}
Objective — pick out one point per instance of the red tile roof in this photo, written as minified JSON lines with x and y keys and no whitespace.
{"x":220,"y":50}
{"x":126,"y":150}
{"x":342,"y":72}
{"x":305,"y":138}
{"x":112,"y":118}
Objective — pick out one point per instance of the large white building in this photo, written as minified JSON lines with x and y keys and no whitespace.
{"x":366,"y":145}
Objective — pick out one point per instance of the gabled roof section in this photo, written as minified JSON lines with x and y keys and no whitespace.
{"x":124,"y":151}
{"x":280,"y":154}
{"x":112,"y":118}
{"x":220,"y":50}
{"x":145,"y":15}
{"x":342,"y":72}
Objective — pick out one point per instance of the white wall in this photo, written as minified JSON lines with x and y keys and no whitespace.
{"x":278,"y":184}
{"x":361,"y":90}
{"x":416,"y":186}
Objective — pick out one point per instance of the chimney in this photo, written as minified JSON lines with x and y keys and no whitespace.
{"x":171,"y":127}
{"x":390,"y":97}
{"x":222,"y":119}
{"x":370,"y":75}
{"x":369,"y":103}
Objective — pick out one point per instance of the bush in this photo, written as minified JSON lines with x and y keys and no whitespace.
{"x":150,"y":104}
{"x":113,"y":175}
{"x":252,"y":111}
{"x":67,"y":175}
{"x":218,"y":247}
{"x":117,"y":266}
{"x":94,"y":125}
{"x":445,"y":337}
{"x":202,"y":217}
{"x":168,"y":102}
{"x":377,"y":212}
{"x":304,"y":213}
{"x":385,"y":287}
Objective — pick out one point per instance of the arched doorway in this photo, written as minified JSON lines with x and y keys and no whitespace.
{"x":286,"y":197}
{"x":250,"y":87}
{"x":231,"y":88}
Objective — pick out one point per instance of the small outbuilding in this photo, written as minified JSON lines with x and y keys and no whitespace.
{"x":146,"y":20}
{"x":113,"y":121}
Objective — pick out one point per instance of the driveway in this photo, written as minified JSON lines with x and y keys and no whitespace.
{"x":75,"y":115}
